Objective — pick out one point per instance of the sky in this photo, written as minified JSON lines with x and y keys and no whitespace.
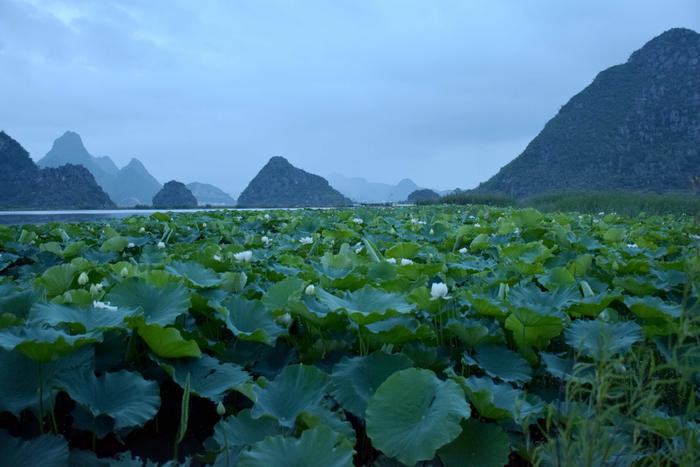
{"x":444,"y":92}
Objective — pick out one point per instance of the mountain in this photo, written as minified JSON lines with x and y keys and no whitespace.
{"x":24,"y":185}
{"x":209,"y":195}
{"x":133,"y":185}
{"x":362,"y":191}
{"x":402,"y":190}
{"x":174,"y":195}
{"x":424,"y":195}
{"x":280,"y":184}
{"x":128,"y":186}
{"x":636,"y":127}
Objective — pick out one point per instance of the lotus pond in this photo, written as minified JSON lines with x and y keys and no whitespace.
{"x":437,"y":336}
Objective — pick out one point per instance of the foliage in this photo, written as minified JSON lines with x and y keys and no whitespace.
{"x":562,"y":339}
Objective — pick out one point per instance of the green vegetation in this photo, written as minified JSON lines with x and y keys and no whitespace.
{"x":621,"y":202}
{"x":454,"y":335}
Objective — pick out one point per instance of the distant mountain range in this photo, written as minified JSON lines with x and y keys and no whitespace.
{"x":636,"y":127}
{"x":131,"y":185}
{"x":360,"y":190}
{"x":280,"y":184}
{"x":24,"y":185}
{"x":209,"y":195}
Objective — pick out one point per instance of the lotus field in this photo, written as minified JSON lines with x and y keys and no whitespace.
{"x":438,"y":336}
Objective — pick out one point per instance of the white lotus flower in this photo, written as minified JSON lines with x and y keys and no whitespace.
{"x":472,"y":217}
{"x":306,"y":240}
{"x":463,"y":250}
{"x":243,"y":255}
{"x":104,"y":305}
{"x":267,"y":217}
{"x":130,"y":245}
{"x":285,"y":319}
{"x":601,"y":213}
{"x":406,"y":261}
{"x":217,"y":258}
{"x":438,"y":290}
{"x":83,"y":278}
{"x":391,"y":260}
{"x":432,"y":232}
{"x":417,"y":222}
{"x":95,"y":289}
{"x":358,"y":250}
{"x":124,"y":272}
{"x":204,"y":225}
{"x":632,"y":245}
{"x":310,"y":289}
{"x":358,"y":221}
{"x":142,"y":230}
{"x":695,"y":237}
{"x":265,"y":239}
{"x":477,"y":225}
{"x":161,"y":245}
{"x":220,"y":409}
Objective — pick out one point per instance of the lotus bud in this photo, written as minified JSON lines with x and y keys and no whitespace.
{"x":463,"y":250}
{"x":130,"y":245}
{"x":220,"y":409}
{"x":310,"y":289}
{"x":142,"y":230}
{"x":161,"y":245}
{"x":124,"y":272}
{"x":438,"y":290}
{"x":406,"y":262}
{"x":83,"y":278}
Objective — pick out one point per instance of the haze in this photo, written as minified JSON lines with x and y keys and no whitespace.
{"x":443,"y":93}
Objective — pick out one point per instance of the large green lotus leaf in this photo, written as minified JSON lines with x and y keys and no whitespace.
{"x":356,"y":379}
{"x":168,"y":342}
{"x":474,"y":332}
{"x":325,"y":414}
{"x":499,"y":361}
{"x":367,"y":304}
{"x":44,"y":344}
{"x":653,"y":308}
{"x":531,"y":297}
{"x":402,"y":250}
{"x":566,"y":369}
{"x":209,"y":378}
{"x":57,"y":279}
{"x":160,"y":305}
{"x":115,"y":244}
{"x":126,"y":397}
{"x":89,"y":319}
{"x":638,"y":285}
{"x":16,"y":302}
{"x":43,"y":451}
{"x":336,"y":266}
{"x":316,"y":447}
{"x":6,"y":259}
{"x":600,"y":340}
{"x":80,"y":458}
{"x":20,"y":393}
{"x":592,"y":306}
{"x":413,"y":413}
{"x":479,"y":445}
{"x":533,"y":328}
{"x":243,"y":429}
{"x":399,"y":330}
{"x":498,"y":401}
{"x":487,"y":305}
{"x":278,"y":295}
{"x":250,"y":320}
{"x":296,"y":389}
{"x":195,"y":273}
{"x":527,"y":218}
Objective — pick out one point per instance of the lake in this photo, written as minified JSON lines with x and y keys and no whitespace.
{"x":87,"y":215}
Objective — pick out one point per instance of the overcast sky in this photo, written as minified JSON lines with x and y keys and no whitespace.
{"x":442,"y":92}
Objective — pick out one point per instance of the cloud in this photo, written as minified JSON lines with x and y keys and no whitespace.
{"x":441,"y":92}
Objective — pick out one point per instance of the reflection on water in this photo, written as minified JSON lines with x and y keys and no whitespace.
{"x":43,"y":217}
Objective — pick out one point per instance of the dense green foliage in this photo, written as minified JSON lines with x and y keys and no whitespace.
{"x":635,"y":127}
{"x":452,"y":335}
{"x":475,"y":197}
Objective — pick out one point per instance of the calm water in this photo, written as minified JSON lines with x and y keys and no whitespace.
{"x":42,"y":217}
{"x":88,"y":215}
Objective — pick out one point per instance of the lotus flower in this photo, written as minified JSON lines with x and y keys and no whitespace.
{"x":391,"y":260}
{"x":463,"y":250}
{"x":104,"y":305}
{"x":124,"y":272}
{"x":310,"y":289}
{"x":438,"y":290}
{"x":83,"y":278}
{"x":306,"y":240}
{"x":142,"y":230}
{"x":406,"y":261}
{"x":161,"y":245}
{"x":265,"y":239}
{"x":130,"y":245}
{"x":243,"y":255}
{"x":220,"y":409}
{"x":358,"y":221}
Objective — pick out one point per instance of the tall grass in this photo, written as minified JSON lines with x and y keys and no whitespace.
{"x":625,"y":203}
